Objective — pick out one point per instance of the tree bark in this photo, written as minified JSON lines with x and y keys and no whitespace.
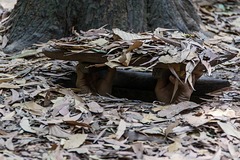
{"x":34,"y":21}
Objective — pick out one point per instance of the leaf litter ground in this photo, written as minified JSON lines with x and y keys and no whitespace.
{"x":43,"y":120}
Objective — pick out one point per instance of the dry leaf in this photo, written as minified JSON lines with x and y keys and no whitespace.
{"x":176,"y":84}
{"x":80,"y":106}
{"x":123,"y":60}
{"x":75,"y":141}
{"x":217,"y":156}
{"x":147,"y":118}
{"x":189,"y":69}
{"x":138,"y":148}
{"x":168,"y":59}
{"x":8,"y":116}
{"x":61,"y":107}
{"x":3,"y":132}
{"x":174,"y":147}
{"x":207,"y":66}
{"x":121,"y":129}
{"x":58,"y":154}
{"x":32,"y":107}
{"x":177,"y":156}
{"x":20,"y":81}
{"x":9,"y":144}
{"x":128,"y":36}
{"x":1,"y":157}
{"x":177,"y":108}
{"x":6,"y":77}
{"x":196,"y":120}
{"x":95,"y":107}
{"x":100,"y":42}
{"x":153,"y":130}
{"x":232,"y":151}
{"x":15,"y":96}
{"x":81,"y":150}
{"x":4,"y":41}
{"x":170,"y":127}
{"x":116,"y":143}
{"x":26,"y":126}
{"x":145,"y":157}
{"x":218,"y":113}
{"x":229,"y":129}
{"x":73,"y":118}
{"x":8,"y":85}
{"x":135,"y":45}
{"x":58,"y":131}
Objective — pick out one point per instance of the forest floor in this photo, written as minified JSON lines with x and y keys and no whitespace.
{"x":40,"y":119}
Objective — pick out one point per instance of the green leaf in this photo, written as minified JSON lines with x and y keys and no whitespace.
{"x":98,"y":51}
{"x":221,"y":6}
{"x":24,"y":53}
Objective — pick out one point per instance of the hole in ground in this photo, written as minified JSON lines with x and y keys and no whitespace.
{"x":140,"y":86}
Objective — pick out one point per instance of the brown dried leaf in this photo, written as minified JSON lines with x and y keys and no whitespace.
{"x":32,"y":107}
{"x":168,"y":59}
{"x":148,"y":118}
{"x":9,"y":144}
{"x":178,"y":156}
{"x":9,"y":86}
{"x":75,"y":141}
{"x":2,"y":143}
{"x":196,"y":120}
{"x":232,"y":151}
{"x":122,"y":60}
{"x":100,"y":42}
{"x":171,"y":68}
{"x":174,"y":147}
{"x":15,"y":96}
{"x":81,"y":150}
{"x":217,"y":156}
{"x":145,"y":157}
{"x":95,"y":107}
{"x":138,"y":148}
{"x":6,"y":77}
{"x":78,"y":124}
{"x":128,"y":36}
{"x":3,"y":132}
{"x":121,"y":129}
{"x":100,"y":135}
{"x":170,"y":127}
{"x":73,"y":118}
{"x":8,"y":116}
{"x":4,"y":41}
{"x":153,"y":130}
{"x":61,"y":106}
{"x":229,"y":129}
{"x":220,"y":114}
{"x":176,"y":83}
{"x":207,"y":66}
{"x":58,"y":131}
{"x":116,"y":143}
{"x":189,"y":69}
{"x":58,"y":154}
{"x":135,"y":45}
{"x":26,"y":126}
{"x":177,"y":108}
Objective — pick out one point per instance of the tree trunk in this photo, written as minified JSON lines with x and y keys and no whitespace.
{"x":34,"y":21}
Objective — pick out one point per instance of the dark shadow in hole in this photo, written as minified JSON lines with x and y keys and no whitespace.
{"x":140,"y":86}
